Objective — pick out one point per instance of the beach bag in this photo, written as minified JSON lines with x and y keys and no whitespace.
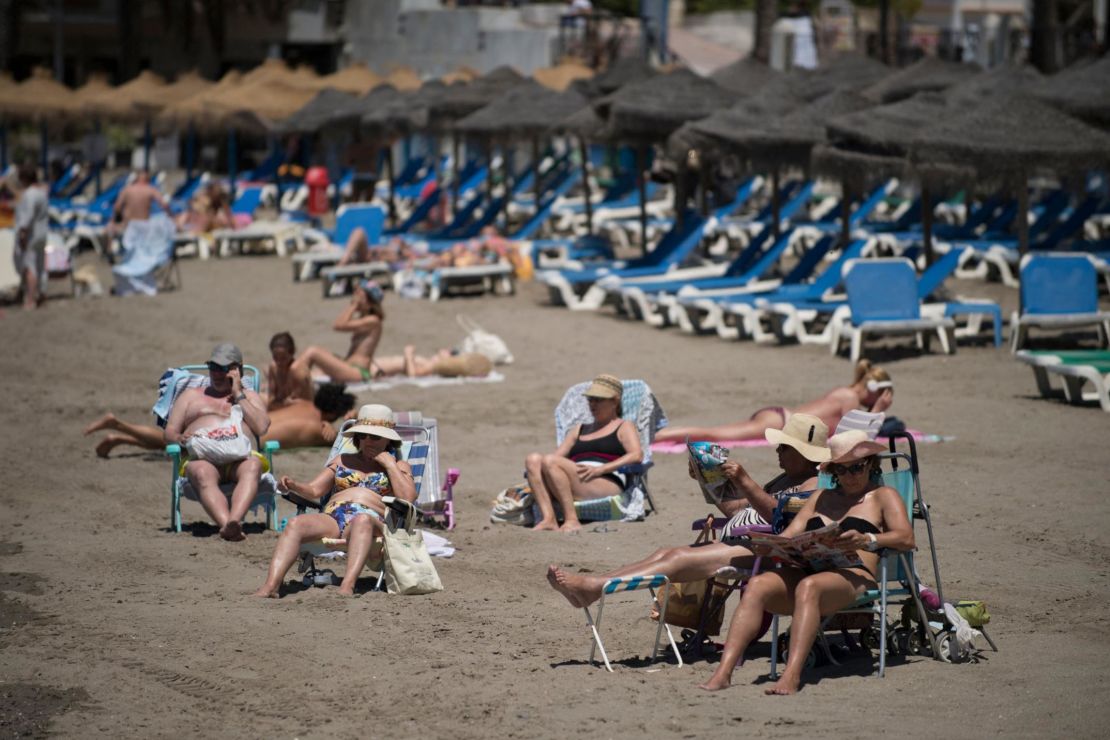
{"x":483,"y":342}
{"x":513,"y":506}
{"x":221,"y":444}
{"x":408,"y":566}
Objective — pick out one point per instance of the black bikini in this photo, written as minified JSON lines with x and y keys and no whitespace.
{"x":847,"y":524}
{"x":601,"y":450}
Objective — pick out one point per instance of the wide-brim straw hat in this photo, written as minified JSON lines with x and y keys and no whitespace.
{"x":376,"y":419}
{"x":805,"y":433}
{"x":605,"y":386}
{"x":850,"y":446}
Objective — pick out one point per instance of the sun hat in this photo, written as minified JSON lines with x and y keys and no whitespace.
{"x":376,"y":419}
{"x":805,"y":433}
{"x":226,"y":353}
{"x":852,"y":445}
{"x":605,"y":386}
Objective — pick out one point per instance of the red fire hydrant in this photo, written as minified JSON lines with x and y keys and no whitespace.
{"x":317,"y":181}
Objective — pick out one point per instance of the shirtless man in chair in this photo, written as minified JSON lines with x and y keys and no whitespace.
{"x":208,"y":423}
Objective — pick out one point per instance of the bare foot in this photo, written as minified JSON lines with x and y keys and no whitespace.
{"x":266,"y":593}
{"x":542,"y":526}
{"x":578,"y":590}
{"x":106,"y":445}
{"x":232,"y":531}
{"x":716,"y":683}
{"x":783,"y":687}
{"x":108,"y":421}
{"x":571,"y":527}
{"x":345,"y":591}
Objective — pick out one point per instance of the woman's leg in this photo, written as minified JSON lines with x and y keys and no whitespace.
{"x":533,"y":466}
{"x":112,"y":441}
{"x":355,"y":251}
{"x":338,"y":370}
{"x":771,"y":591}
{"x":815,"y":596}
{"x":148,"y":437}
{"x":360,"y":534}
{"x":679,"y":564}
{"x":753,"y":428}
{"x":303,"y":528}
{"x":561,"y":477}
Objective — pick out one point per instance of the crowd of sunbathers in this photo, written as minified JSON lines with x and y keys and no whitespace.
{"x":487,"y":249}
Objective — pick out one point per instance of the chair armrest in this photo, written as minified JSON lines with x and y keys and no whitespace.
{"x":399,"y":505}
{"x":635,"y":468}
{"x":272,"y":446}
{"x":173,"y":450}
{"x":301,"y":503}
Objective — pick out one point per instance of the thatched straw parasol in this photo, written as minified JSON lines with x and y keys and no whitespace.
{"x":1003,"y":142}
{"x":317,"y":112}
{"x":621,"y":72}
{"x":460,"y":101}
{"x":96,"y":86}
{"x":744,"y":76}
{"x":655,"y":107}
{"x":928,"y":75}
{"x":1084,"y":92}
{"x":404,"y":112}
{"x":773,"y":100}
{"x":356,"y":79}
{"x":560,"y":77}
{"x":461,"y":74}
{"x":526,"y":110}
{"x":846,"y":71}
{"x":1005,"y":79}
{"x":38,"y":98}
{"x":196,"y":109}
{"x":122,"y":103}
{"x":404,"y":78}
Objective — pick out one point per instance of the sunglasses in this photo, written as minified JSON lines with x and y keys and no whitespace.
{"x":854,"y":468}
{"x":215,"y":367}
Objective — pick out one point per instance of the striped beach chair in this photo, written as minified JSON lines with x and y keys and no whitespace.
{"x":653,"y":583}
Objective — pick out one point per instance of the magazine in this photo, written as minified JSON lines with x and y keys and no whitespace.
{"x":815,"y":550}
{"x":707,"y":459}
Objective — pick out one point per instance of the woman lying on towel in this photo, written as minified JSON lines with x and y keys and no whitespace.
{"x":871,"y":517}
{"x":800,"y":447}
{"x":350,"y":488}
{"x":871,"y":390}
{"x":585,"y":465}
{"x":362,"y":319}
{"x":298,"y":423}
{"x":445,"y":363}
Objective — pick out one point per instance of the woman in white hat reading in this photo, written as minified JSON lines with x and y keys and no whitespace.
{"x":800,"y":447}
{"x":350,"y":488}
{"x":868,"y":517}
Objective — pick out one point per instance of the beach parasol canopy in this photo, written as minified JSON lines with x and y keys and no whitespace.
{"x":655,"y":107}
{"x":404,"y":78}
{"x":123,"y":103}
{"x":774,"y":99}
{"x":744,"y":76}
{"x":317,"y":112}
{"x":196,"y":109}
{"x":356,"y":79}
{"x":619,"y":73}
{"x":94,"y":87}
{"x":560,"y":77}
{"x":461,"y":73}
{"x":846,"y":71}
{"x":459,"y":101}
{"x":39,"y":97}
{"x":406,"y":112}
{"x":1083,"y":91}
{"x":525,"y":111}
{"x":1003,"y":79}
{"x":260,"y":106}
{"x":927,"y":75}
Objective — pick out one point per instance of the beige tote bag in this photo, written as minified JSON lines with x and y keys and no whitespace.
{"x":408,"y":566}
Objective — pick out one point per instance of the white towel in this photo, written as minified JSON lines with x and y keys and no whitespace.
{"x":438,"y":547}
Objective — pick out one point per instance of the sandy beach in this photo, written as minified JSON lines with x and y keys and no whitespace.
{"x":112,"y":626}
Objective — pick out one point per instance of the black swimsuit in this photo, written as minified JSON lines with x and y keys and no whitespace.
{"x":601,"y":450}
{"x":847,"y":524}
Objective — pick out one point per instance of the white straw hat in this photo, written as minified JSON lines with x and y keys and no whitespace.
{"x":376,"y":419}
{"x":805,"y":433}
{"x":847,"y":447}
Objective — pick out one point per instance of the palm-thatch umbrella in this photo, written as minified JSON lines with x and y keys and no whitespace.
{"x":928,"y":75}
{"x":652,"y":109}
{"x":38,"y":98}
{"x":326,"y":106}
{"x":1084,"y":92}
{"x":844,"y":72}
{"x":132,"y":101}
{"x":461,"y":73}
{"x":560,"y":76}
{"x":873,"y":145}
{"x":404,"y":78}
{"x":744,"y":76}
{"x":1004,"y":79}
{"x":356,"y":79}
{"x":1004,"y":141}
{"x":6,"y":84}
{"x":621,"y":72}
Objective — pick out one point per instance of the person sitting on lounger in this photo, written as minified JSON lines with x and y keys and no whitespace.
{"x":298,"y":423}
{"x":586,"y":464}
{"x":800,"y":447}
{"x":358,"y":250}
{"x":362,"y":319}
{"x":282,"y":384}
{"x":871,"y":390}
{"x":350,"y":488}
{"x":871,"y":517}
{"x":209,"y":210}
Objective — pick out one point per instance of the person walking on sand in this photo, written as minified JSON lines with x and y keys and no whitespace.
{"x":31,"y":223}
{"x":208,"y":423}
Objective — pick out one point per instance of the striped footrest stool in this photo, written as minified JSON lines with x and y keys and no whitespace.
{"x":632,"y":583}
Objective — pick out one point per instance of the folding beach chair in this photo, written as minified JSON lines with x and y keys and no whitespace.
{"x":1058,"y":291}
{"x":638,"y":404}
{"x":172,"y":383}
{"x":883,"y":299}
{"x":434,"y":503}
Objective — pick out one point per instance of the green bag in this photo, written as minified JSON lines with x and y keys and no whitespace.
{"x":975,"y":612}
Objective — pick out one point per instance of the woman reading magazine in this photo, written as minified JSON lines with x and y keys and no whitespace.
{"x":870,"y":516}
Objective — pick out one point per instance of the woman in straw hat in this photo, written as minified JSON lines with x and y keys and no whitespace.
{"x":800,"y":447}
{"x":870,"y":516}
{"x":350,"y":489}
{"x":871,"y":390}
{"x":587,"y":463}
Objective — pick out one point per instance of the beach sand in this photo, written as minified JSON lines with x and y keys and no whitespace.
{"x":110,"y":625}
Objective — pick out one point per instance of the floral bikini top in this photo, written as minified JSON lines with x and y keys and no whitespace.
{"x":346,"y":478}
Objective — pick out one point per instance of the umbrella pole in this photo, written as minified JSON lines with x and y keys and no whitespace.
{"x":232,"y":159}
{"x":489,"y":171}
{"x":44,"y":150}
{"x":776,"y":203}
{"x":455,"y":179}
{"x":392,"y":185}
{"x":146,"y":145}
{"x":641,"y":163}
{"x":845,"y":216}
{"x":680,"y":194}
{"x":584,"y":152}
{"x":3,"y":146}
{"x":1023,"y":217}
{"x":537,"y":190}
{"x":703,"y":188}
{"x":95,"y":165}
{"x":190,"y":150}
{"x":927,"y":224}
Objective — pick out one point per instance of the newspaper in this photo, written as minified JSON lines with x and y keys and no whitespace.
{"x":706,"y":460}
{"x":815,"y":550}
